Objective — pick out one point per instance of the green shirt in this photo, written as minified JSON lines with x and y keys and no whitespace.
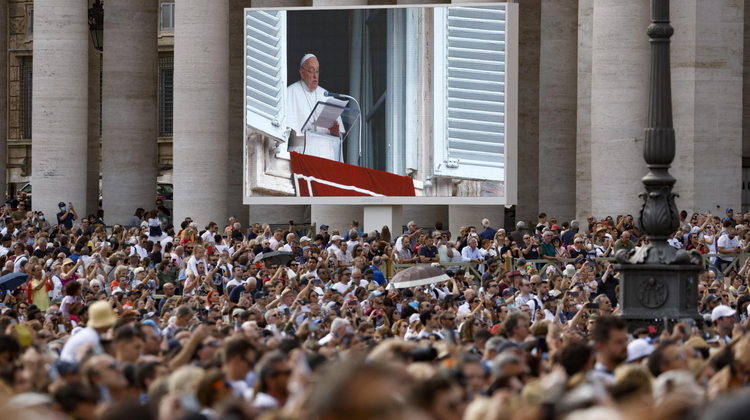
{"x":18,"y":215}
{"x":619,"y":245}
{"x":547,"y":249}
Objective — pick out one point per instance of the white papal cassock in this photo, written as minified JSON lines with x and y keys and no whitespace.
{"x":300,"y":102}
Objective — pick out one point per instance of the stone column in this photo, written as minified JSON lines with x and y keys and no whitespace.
{"x":278,"y":214}
{"x":4,"y":96}
{"x":583,"y":116}
{"x":60,"y":96}
{"x":426,"y":216}
{"x":337,"y":216}
{"x":236,"y":111}
{"x":707,"y":81}
{"x":376,"y":217}
{"x":460,"y":215}
{"x":94,"y":136}
{"x":529,"y":21}
{"x":129,"y":120}
{"x":619,"y":101}
{"x":201,"y":108}
{"x":746,"y":84}
{"x":558,"y":65}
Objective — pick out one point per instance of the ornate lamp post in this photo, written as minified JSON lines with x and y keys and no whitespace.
{"x":96,"y":25}
{"x":659,"y":281}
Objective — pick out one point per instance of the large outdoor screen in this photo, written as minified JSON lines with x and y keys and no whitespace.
{"x":405,"y":105}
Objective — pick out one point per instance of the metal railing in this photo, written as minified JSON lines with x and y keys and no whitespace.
{"x":543,"y":265}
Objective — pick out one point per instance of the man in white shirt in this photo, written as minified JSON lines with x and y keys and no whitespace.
{"x":429,"y":319}
{"x":471,"y":253}
{"x":275,"y":240}
{"x":344,"y":281}
{"x":209,"y":237}
{"x":338,"y":329}
{"x":101,"y":318}
{"x":729,"y":247}
{"x":5,"y":244}
{"x":289,"y":241}
{"x":140,"y":248}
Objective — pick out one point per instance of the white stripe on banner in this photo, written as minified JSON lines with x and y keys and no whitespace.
{"x":333,"y":184}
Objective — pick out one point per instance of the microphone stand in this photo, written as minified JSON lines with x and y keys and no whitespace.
{"x":341,"y":95}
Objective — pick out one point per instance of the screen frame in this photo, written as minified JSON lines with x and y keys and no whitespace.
{"x":510,"y":182}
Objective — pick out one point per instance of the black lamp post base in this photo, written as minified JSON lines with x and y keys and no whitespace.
{"x":650,"y":292}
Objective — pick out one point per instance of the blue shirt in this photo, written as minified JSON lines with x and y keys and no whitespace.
{"x":488,"y":233}
{"x":378,"y":276}
{"x":346,"y":235}
{"x":67,"y":222}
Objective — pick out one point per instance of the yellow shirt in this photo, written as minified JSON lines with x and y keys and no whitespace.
{"x":40,"y":297}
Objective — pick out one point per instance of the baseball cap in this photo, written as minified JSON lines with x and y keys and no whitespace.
{"x":376,"y":294}
{"x":721,"y":311}
{"x":711,"y":298}
{"x":61,"y":204}
{"x":413,"y":318}
{"x":579,"y":260}
{"x":304,"y":239}
{"x":335,"y":238}
{"x":638,"y":349}
{"x":728,"y":210}
{"x":555,"y":227}
{"x":324,"y":226}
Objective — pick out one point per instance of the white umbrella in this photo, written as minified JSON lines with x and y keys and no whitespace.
{"x":418,"y":275}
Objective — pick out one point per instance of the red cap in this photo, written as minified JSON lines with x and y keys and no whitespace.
{"x":555,"y":227}
{"x":495,"y":329}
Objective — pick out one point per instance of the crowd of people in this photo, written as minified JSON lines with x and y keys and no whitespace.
{"x":159,"y":321}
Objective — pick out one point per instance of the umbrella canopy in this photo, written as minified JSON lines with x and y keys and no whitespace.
{"x":10,"y":282}
{"x":418,"y":275}
{"x":277,"y":257}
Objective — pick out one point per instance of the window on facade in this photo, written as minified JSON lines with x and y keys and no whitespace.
{"x":25,"y":70}
{"x":166,"y":94}
{"x":167,"y":16}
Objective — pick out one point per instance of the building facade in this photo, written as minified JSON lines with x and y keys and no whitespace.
{"x":163,"y":103}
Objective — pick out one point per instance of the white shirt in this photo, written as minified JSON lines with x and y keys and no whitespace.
{"x":728,"y":244}
{"x":86,"y":336}
{"x":471,"y":254}
{"x":208,"y":238}
{"x":56,"y":287}
{"x":141,"y":251}
{"x":325,"y":340}
{"x":17,"y":263}
{"x":340,"y":287}
{"x":166,"y":241}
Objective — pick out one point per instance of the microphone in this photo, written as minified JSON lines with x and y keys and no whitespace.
{"x":335,"y":95}
{"x":339,"y":96}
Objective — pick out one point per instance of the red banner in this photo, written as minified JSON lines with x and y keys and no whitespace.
{"x":318,"y":177}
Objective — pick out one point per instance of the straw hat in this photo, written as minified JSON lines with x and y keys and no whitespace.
{"x":101,"y":315}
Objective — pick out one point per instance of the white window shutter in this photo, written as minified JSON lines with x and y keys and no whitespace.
{"x":266,"y":71}
{"x":470,"y":92}
{"x":167,"y":16}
